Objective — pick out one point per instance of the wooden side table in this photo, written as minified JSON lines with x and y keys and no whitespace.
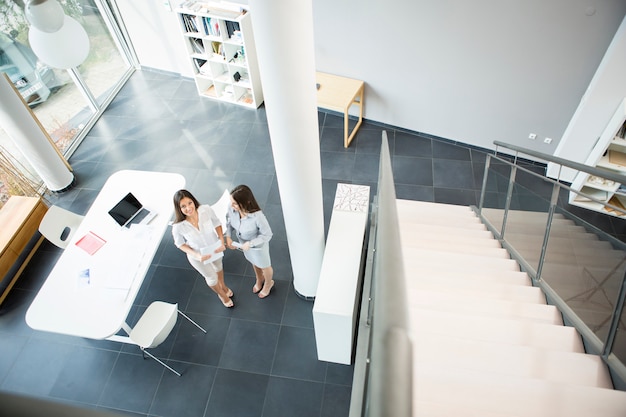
{"x":339,"y":94}
{"x":19,"y":220}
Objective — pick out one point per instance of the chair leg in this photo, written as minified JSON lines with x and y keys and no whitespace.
{"x":196,"y":324}
{"x":159,"y":361}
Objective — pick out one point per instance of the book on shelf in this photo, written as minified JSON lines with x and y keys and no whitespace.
{"x":190,"y":23}
{"x":231,"y":28}
{"x":90,"y":243}
{"x":617,"y":203}
{"x":617,"y":158}
{"x":196,"y":45}
{"x":210,"y":91}
{"x":211,"y":26}
{"x":198,"y":64}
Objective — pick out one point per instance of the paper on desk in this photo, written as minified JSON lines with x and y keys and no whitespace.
{"x":211,"y":250}
{"x":116,"y":266}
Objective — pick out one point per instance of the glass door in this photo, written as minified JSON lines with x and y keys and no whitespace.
{"x":65,"y":102}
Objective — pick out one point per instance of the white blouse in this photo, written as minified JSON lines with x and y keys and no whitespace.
{"x":204,"y":236}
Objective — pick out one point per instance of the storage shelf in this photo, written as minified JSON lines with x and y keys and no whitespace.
{"x":220,"y":43}
{"x":609,"y":153}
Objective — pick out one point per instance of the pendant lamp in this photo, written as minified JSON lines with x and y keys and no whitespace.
{"x":57,"y":39}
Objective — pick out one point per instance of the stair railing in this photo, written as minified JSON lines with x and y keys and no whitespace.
{"x":550,"y":203}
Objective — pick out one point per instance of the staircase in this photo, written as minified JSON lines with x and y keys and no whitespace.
{"x":485,"y":343}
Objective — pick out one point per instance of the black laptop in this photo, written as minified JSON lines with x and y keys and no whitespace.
{"x":130,"y":211}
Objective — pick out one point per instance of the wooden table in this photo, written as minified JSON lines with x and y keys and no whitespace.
{"x":19,"y":220}
{"x":339,"y":94}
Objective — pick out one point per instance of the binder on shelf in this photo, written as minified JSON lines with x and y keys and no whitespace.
{"x":90,"y":243}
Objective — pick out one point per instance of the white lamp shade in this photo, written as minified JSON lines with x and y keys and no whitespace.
{"x":66,"y":48}
{"x":46,"y":15}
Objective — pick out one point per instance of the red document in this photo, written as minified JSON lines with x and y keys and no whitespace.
{"x":90,"y":243}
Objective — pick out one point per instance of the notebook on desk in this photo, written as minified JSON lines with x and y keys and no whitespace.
{"x":130,"y":211}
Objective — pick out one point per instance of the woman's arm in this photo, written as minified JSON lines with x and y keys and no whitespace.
{"x":264,"y":231}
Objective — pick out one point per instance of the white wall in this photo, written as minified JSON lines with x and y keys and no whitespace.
{"x":473,"y":72}
{"x":155,"y":35}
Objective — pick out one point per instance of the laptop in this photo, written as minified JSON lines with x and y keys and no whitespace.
{"x":130,"y":211}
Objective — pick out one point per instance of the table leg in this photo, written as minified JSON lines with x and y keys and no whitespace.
{"x":347,"y":139}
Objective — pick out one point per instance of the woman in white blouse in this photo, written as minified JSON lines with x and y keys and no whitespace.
{"x":246,"y":220}
{"x":198,"y":232}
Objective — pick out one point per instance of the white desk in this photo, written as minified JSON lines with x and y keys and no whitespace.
{"x":67,"y":304}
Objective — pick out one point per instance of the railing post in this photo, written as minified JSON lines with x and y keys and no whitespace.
{"x":483,"y":190}
{"x":509,"y":195}
{"x":615,"y":319}
{"x":544,"y":246}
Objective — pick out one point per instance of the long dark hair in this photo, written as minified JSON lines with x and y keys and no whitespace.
{"x":179,"y":195}
{"x":244,"y":198}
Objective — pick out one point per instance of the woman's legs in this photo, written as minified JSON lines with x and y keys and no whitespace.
{"x":266,"y":275}
{"x":222,"y":284}
{"x":222,"y":295}
{"x":258,"y":285}
{"x":213,"y":274}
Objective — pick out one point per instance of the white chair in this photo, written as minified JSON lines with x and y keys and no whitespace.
{"x":220,"y":207}
{"x":154,"y":327}
{"x":58,"y":225}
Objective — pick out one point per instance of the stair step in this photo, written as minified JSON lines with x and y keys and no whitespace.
{"x":417,"y":242}
{"x":429,"y":257}
{"x":504,"y":360}
{"x":455,"y":302}
{"x":465,"y":392}
{"x":516,"y":293}
{"x":476,"y":231}
{"x":482,"y":239}
{"x":426,"y":322}
{"x":451,"y":275}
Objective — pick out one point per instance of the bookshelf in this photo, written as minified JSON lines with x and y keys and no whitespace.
{"x":609,"y":153}
{"x":220,"y":45}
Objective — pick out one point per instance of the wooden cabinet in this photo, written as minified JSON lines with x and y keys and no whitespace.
{"x":19,"y":220}
{"x":220,"y":46}
{"x":609,"y":153}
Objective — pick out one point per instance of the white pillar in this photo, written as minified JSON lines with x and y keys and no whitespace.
{"x":31,"y":139}
{"x":283,"y":31}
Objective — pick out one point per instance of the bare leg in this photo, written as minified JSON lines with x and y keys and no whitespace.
{"x":221,"y":294}
{"x":258,"y":285}
{"x":222,"y":284}
{"x":268,"y":282}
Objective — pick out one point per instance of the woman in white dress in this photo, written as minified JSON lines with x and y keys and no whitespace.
{"x":246,"y":220}
{"x":198,"y":232}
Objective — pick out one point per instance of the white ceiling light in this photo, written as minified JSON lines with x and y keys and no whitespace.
{"x":45,"y":15}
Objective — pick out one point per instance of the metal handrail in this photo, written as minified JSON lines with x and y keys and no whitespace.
{"x":593,"y":343}
{"x":599,"y":172}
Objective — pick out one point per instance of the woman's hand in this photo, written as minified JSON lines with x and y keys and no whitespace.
{"x":203,"y":258}
{"x":229,"y":243}
{"x":222,"y":248}
{"x":245,"y":246}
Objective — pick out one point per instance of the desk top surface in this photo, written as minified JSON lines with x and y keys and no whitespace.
{"x":97,"y":307}
{"x":335,"y":92}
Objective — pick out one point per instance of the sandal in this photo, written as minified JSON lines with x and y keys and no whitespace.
{"x":230,"y":293}
{"x":227,"y":304}
{"x":257,"y":288}
{"x":263,"y":293}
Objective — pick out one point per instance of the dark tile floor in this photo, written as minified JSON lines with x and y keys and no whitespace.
{"x":258,"y":359}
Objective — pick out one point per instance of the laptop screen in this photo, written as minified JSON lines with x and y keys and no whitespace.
{"x":126,"y":209}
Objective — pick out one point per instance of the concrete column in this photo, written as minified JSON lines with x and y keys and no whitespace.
{"x":31,"y":139}
{"x":283,"y":31}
